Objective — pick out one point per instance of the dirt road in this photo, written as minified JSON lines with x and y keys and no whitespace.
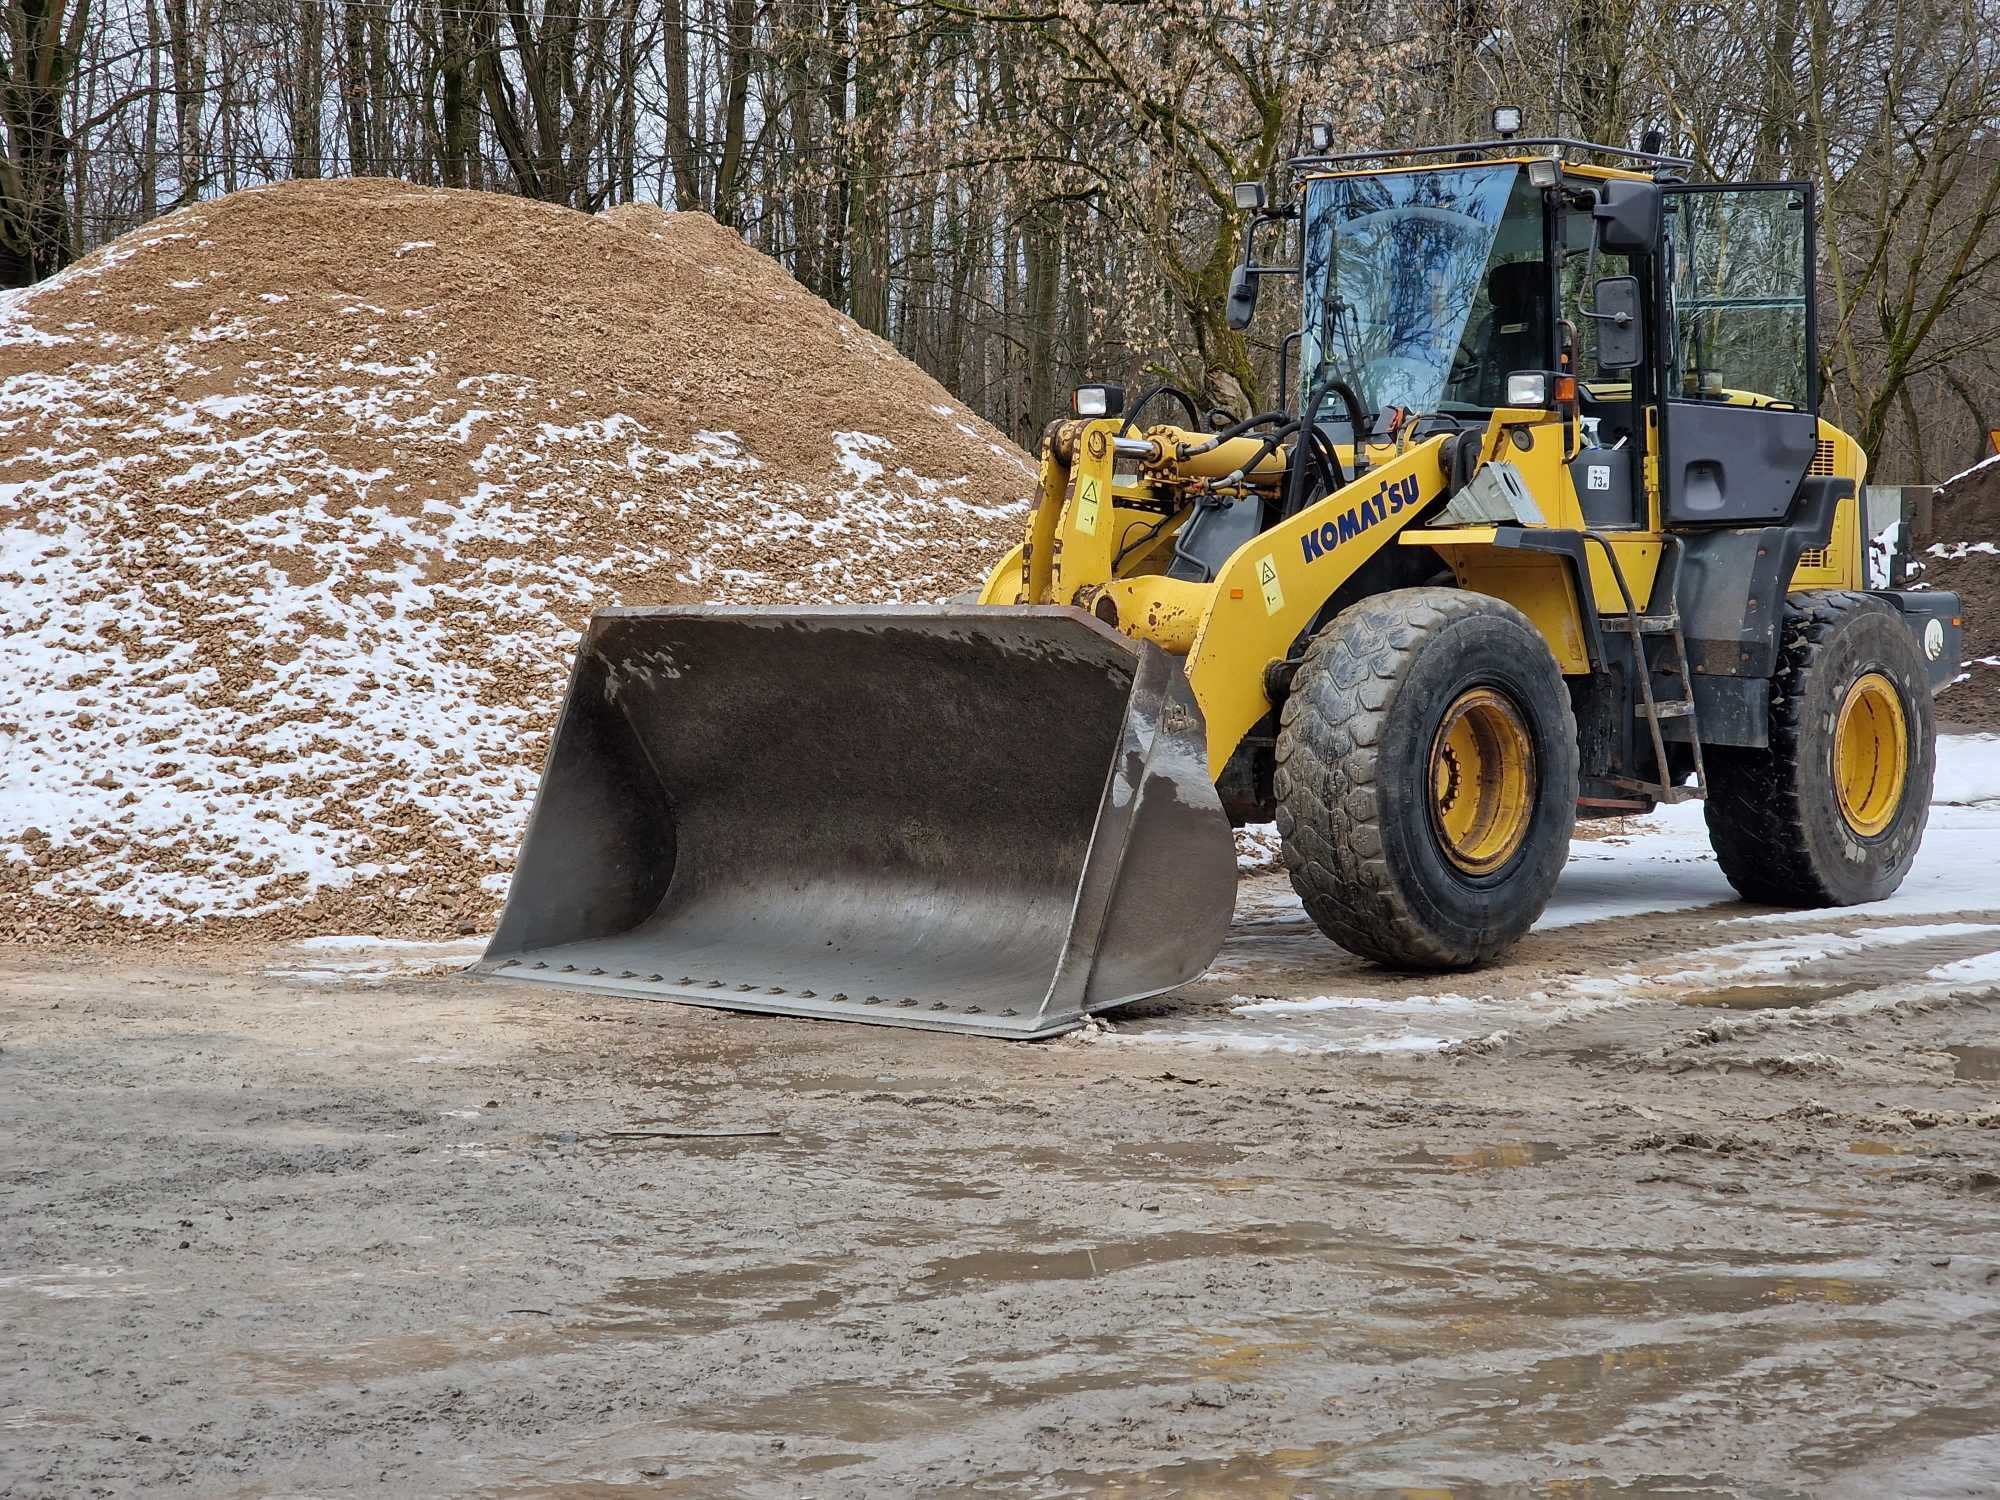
{"x":314,"y":1232}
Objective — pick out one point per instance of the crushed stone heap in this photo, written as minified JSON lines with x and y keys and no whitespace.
{"x":306,"y":492}
{"x":1964,"y":556}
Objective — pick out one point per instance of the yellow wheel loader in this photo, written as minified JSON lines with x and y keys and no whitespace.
{"x":1549,"y":528}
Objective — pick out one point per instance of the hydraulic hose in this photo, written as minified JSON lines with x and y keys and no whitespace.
{"x":1164,"y":388}
{"x":1235,"y":430}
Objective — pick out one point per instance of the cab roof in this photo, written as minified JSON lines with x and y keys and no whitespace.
{"x":1619,"y":162}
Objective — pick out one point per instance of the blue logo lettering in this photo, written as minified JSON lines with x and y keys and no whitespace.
{"x":1388,"y":499}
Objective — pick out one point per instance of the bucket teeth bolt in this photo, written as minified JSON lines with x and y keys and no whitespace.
{"x":539,"y":964}
{"x":655,"y":978}
{"x":805,"y":994}
{"x":597,"y":971}
{"x":776,"y":989}
{"x":744,"y":989}
{"x":629,"y":974}
{"x":840,"y":997}
{"x":715,"y":984}
{"x":872,"y":1000}
{"x":569,"y":968}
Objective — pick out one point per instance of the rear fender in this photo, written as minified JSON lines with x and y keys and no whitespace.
{"x":1936,"y":619}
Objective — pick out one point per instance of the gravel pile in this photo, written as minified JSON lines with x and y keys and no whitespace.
{"x":1964,"y":556}
{"x":306,"y":491}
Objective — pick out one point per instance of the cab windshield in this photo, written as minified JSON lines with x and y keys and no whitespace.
{"x":1424,"y":289}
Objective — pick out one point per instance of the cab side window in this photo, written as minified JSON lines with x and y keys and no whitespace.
{"x":1737,"y":286}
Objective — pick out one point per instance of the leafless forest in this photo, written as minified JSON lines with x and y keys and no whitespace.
{"x":1023,"y":192}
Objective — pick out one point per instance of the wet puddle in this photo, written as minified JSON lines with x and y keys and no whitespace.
{"x":1886,"y":1148}
{"x":1976,"y":1064}
{"x":698,"y":1302}
{"x":1134,"y":1159}
{"x":1090,"y":1261}
{"x":1711,"y":1318}
{"x":296,"y":1370}
{"x":666,"y":1138}
{"x":1444,"y":1320}
{"x":952,"y":1176}
{"x":1480,"y":1158}
{"x":1770,"y":996}
{"x":860,"y":1413}
{"x":1276,"y":1475}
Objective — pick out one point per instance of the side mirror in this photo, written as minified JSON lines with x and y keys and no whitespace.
{"x":1628,"y":218}
{"x":1242,"y":298}
{"x":1621,"y":331}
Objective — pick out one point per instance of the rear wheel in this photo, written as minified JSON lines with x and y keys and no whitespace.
{"x":1832,"y":812}
{"x":1426,"y":778}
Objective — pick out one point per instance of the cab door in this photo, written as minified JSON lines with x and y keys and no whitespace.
{"x":1738,"y":370}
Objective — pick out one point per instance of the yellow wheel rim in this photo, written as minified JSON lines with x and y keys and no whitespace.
{"x":1871,"y":754}
{"x":1482,"y":781}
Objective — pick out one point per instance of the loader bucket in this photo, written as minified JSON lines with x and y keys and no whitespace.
{"x":993,"y":820}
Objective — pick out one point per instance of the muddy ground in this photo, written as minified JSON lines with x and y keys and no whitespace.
{"x":420,"y":1234}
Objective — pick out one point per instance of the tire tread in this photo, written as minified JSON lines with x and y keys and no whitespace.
{"x":1328,"y":767}
{"x":1756,"y":811}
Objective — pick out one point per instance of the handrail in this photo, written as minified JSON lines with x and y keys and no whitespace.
{"x":1505,"y":144}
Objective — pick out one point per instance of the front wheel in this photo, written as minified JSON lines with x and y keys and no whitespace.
{"x":1427,"y":778}
{"x":1831,"y":813}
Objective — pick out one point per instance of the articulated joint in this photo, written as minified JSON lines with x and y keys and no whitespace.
{"x":1151,"y":607}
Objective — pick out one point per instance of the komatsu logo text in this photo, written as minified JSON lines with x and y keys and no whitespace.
{"x":1389,"y":498}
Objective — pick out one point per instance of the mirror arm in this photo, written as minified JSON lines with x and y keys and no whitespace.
{"x":1590,"y":277}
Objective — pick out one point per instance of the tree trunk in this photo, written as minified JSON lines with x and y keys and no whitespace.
{"x":1042,"y":241}
{"x":680,"y":107}
{"x":186,"y":50}
{"x":869,"y":133}
{"x":458,"y":104}
{"x":44,"y":39}
{"x":353,"y":84}
{"x":149,"y":148}
{"x":308,"y":89}
{"x":742,"y":15}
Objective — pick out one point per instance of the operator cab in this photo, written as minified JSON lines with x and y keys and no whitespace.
{"x":1664,"y":319}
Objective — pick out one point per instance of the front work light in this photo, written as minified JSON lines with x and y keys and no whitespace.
{"x":1506,"y":120}
{"x":1320,"y":134}
{"x":1249,"y":195}
{"x":1544,"y":171}
{"x":1098,"y":400}
{"x":1528,"y":388}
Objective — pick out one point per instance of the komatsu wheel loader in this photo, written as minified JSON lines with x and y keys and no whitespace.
{"x":1550,"y":528}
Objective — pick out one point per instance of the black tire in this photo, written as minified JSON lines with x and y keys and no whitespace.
{"x":1355,"y":758}
{"x":1774,"y":816}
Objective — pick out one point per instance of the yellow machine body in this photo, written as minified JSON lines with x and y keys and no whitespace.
{"x":1086,"y":547}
